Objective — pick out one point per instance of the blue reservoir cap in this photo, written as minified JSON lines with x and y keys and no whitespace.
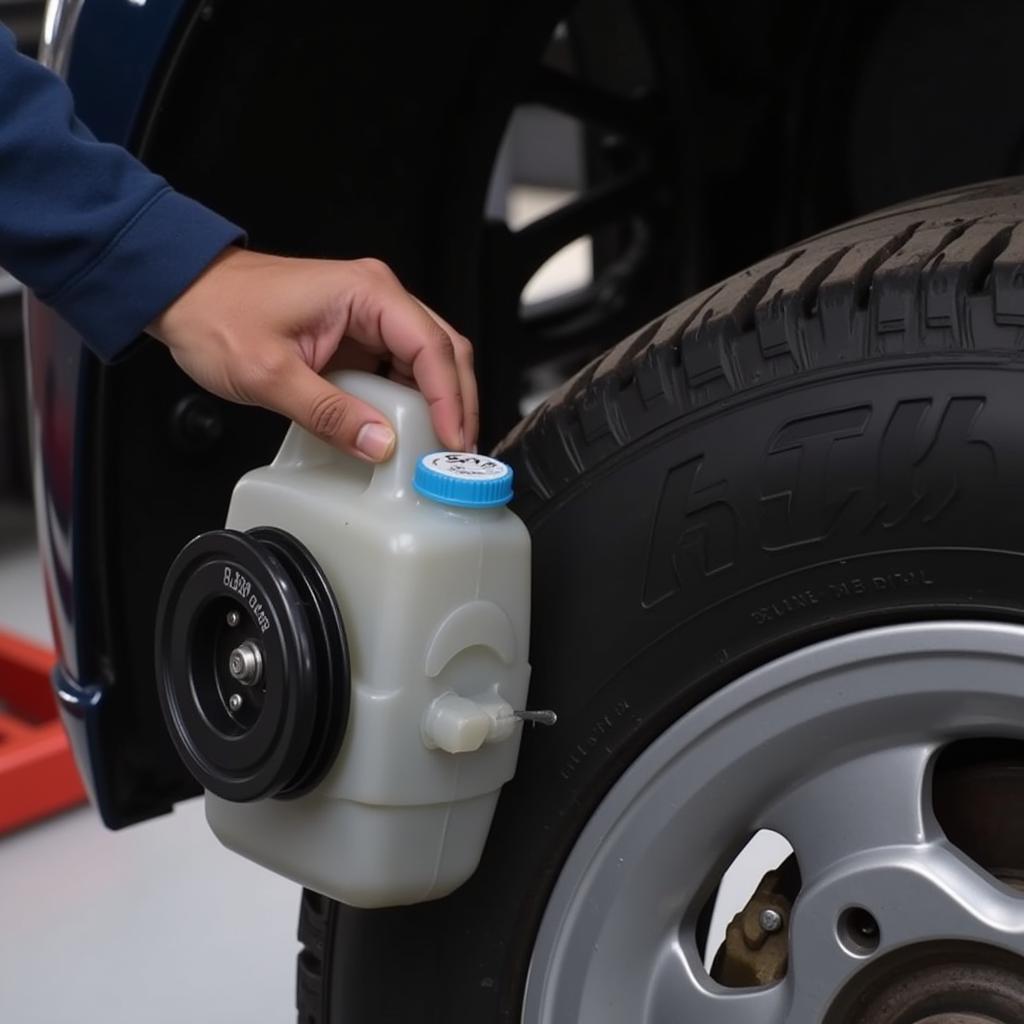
{"x":463,"y":479}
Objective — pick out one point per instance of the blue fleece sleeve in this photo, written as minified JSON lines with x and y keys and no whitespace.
{"x":83,"y":224}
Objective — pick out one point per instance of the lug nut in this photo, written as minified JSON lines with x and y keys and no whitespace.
{"x":770,"y":920}
{"x":235,"y":701}
{"x":233,"y":618}
{"x":245,"y":663}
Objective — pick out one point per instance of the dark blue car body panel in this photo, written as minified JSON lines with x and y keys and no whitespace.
{"x":119,"y":48}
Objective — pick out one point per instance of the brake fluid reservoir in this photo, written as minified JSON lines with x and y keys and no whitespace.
{"x":340,"y":665}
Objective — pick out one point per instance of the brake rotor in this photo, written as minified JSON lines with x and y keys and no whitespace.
{"x":252,"y":664}
{"x":940,"y":983}
{"x":979,"y":800}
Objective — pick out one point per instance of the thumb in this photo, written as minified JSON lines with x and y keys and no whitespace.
{"x":333,"y":415}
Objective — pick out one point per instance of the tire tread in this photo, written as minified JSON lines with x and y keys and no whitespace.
{"x":315,"y":933}
{"x":868,"y":290}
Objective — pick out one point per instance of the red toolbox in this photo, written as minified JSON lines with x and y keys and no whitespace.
{"x":37,"y":771}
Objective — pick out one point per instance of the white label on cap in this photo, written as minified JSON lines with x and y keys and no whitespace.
{"x":465,"y":466}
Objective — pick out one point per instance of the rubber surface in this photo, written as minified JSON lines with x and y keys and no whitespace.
{"x":829,"y":440}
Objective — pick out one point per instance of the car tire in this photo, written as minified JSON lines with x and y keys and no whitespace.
{"x":828,"y":441}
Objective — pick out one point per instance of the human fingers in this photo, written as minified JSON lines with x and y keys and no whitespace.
{"x":386,"y":318}
{"x":335,"y":416}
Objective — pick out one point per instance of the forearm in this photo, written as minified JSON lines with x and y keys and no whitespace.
{"x":83,"y":224}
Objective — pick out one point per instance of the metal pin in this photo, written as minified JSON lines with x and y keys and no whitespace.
{"x":537,"y":717}
{"x":234,"y":618}
{"x":235,"y":701}
{"x":245,"y":663}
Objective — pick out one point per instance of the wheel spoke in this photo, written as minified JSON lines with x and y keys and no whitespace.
{"x":682,"y":992}
{"x":570,"y":95}
{"x":522,"y":337}
{"x":613,"y":200}
{"x":874,"y":801}
{"x":957,"y":899}
{"x":630,"y":207}
{"x":590,"y":319}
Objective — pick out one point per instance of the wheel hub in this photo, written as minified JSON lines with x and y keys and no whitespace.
{"x":956,"y":1018}
{"x":937,"y":983}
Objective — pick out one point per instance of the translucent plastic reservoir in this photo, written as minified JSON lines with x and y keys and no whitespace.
{"x":433,"y":585}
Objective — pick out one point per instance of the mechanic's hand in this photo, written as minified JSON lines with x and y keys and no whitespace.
{"x":259,"y":329}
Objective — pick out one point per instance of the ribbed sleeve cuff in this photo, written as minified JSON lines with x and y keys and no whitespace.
{"x":146,"y":266}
